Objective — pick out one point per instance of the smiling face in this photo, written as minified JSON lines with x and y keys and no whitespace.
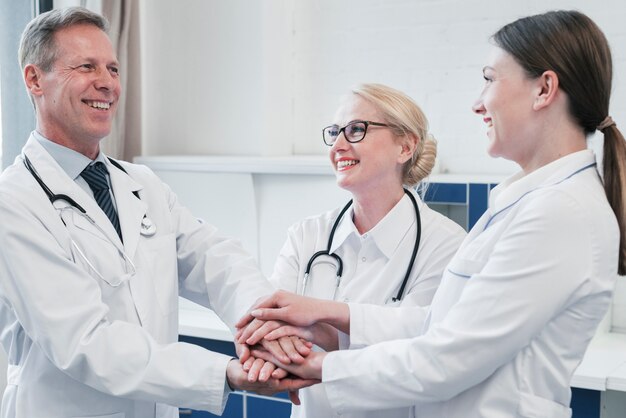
{"x":506,"y":105}
{"x":77,"y":99}
{"x":375,"y":163}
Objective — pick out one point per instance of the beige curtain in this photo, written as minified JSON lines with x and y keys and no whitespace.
{"x":124,"y":142}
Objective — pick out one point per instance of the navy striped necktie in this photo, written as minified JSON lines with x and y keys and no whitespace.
{"x":96,"y":177}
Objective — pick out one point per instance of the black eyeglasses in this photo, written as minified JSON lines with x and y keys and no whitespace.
{"x":354,"y":131}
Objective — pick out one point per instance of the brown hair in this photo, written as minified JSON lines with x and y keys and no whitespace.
{"x":573,"y":46}
{"x":406,"y":118}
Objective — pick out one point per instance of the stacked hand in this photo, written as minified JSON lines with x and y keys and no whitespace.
{"x":275,"y":338}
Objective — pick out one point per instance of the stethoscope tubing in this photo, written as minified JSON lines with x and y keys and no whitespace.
{"x":339,"y":261}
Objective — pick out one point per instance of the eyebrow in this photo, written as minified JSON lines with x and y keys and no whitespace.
{"x":486,"y":67}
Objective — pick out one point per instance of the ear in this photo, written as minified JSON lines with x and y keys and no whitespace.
{"x":409,"y":143}
{"x":547,"y":89}
{"x":32,"y":79}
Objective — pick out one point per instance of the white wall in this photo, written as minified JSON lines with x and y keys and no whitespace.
{"x":240,"y":77}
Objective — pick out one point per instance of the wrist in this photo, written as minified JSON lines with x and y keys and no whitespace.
{"x":337,"y":314}
{"x":231,"y":374}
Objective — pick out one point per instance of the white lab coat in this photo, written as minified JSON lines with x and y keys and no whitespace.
{"x":374,"y":265}
{"x":80,"y":346}
{"x":515,"y":311}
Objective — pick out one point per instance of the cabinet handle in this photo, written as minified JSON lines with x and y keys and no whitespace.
{"x":185,"y":412}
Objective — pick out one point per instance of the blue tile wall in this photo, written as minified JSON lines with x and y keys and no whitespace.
{"x":450,"y":193}
{"x":478,"y":201}
{"x":585,"y":403}
{"x":259,"y":407}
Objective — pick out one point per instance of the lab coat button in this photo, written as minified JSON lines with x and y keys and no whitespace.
{"x":364,"y":259}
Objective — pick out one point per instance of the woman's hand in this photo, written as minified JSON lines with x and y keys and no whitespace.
{"x":300,"y":311}
{"x":286,"y":348}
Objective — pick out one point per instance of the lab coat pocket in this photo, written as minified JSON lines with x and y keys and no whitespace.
{"x":159,"y":258}
{"x":465,"y":268}
{"x":454,"y":279}
{"x":532,"y":406}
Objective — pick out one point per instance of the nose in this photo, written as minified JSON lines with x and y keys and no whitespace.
{"x":478,"y":107}
{"x":341,"y":142}
{"x":105,"y":80}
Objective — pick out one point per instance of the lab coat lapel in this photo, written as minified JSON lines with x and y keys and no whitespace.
{"x":60,"y":183}
{"x":130,"y":209}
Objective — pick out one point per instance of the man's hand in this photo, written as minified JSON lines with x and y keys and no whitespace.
{"x":238,"y":379}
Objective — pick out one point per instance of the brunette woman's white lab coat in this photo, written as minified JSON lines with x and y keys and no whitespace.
{"x":516,"y":309}
{"x":81,"y":345}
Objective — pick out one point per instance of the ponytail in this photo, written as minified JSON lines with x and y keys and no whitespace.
{"x":614,"y":163}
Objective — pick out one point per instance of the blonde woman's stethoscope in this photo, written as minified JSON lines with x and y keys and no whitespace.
{"x":339,"y":261}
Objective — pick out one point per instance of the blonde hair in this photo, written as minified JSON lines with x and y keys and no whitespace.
{"x":406,"y":119}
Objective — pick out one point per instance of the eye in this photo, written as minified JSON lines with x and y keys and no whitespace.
{"x":356,"y":128}
{"x":333,"y":130}
{"x":114,"y":70}
{"x":487,"y":78}
{"x":86,"y":67}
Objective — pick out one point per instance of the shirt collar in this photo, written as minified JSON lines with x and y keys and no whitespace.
{"x":516,"y":186}
{"x":72,"y":162}
{"x":400,"y":220}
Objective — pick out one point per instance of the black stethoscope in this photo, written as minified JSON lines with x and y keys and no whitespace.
{"x":339,"y":261}
{"x":148,"y":228}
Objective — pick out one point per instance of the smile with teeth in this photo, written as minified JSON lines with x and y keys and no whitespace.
{"x":346,"y":163}
{"x":98,"y":105}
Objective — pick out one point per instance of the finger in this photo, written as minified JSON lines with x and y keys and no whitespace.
{"x":249,"y":330}
{"x":268,"y":314}
{"x":294,"y":396}
{"x":253,"y":373}
{"x":279,"y":373}
{"x":293,"y":384}
{"x":267,"y":302}
{"x":267,"y":356}
{"x":266,"y":371}
{"x":301,"y":346}
{"x":287,"y":345}
{"x":276,"y":350}
{"x":248,"y":364}
{"x":289,"y":330}
{"x":243,"y":352}
{"x":262,"y":331}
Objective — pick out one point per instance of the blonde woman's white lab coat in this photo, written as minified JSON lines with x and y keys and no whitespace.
{"x":83,"y":346}
{"x":516,"y":309}
{"x":374,"y":265}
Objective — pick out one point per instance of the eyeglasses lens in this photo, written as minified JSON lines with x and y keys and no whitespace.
{"x":355,"y":131}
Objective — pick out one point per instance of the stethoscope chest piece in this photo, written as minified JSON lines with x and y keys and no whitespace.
{"x":148,"y":228}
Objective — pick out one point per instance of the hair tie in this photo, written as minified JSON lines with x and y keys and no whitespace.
{"x":608,"y":121}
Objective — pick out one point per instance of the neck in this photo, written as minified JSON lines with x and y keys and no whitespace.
{"x":557,"y":143}
{"x":370,"y":209}
{"x":89,"y":148}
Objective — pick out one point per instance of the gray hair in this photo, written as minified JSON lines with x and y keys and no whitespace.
{"x":37,"y":45}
